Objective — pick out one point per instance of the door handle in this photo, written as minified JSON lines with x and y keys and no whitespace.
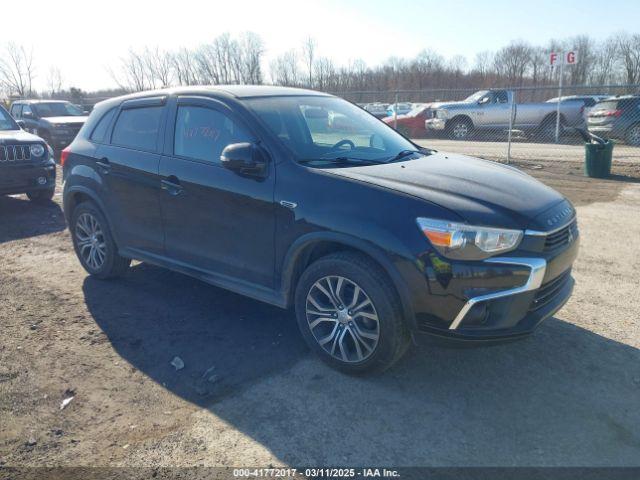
{"x":104,"y":165}
{"x":171,"y":185}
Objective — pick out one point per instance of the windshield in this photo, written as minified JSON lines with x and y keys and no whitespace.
{"x":476,"y":96}
{"x":6,"y":121}
{"x":327,"y":129}
{"x":57,"y":109}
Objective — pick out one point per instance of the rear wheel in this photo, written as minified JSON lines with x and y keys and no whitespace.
{"x":459,"y":129}
{"x":632,"y":136}
{"x":547,"y":130}
{"x":41,"y":196}
{"x":349,"y":313}
{"x":94,"y":244}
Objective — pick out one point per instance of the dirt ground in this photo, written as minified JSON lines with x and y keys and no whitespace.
{"x":250,"y":394}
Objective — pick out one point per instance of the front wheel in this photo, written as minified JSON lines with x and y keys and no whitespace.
{"x":93,"y":243}
{"x":349,"y":313}
{"x":459,"y":129}
{"x":41,"y":196}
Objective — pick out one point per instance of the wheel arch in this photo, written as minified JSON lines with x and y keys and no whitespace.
{"x":458,"y":117}
{"x":78,"y":194}
{"x":311,"y":247}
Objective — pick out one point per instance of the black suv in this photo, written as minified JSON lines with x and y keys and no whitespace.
{"x":617,"y":117}
{"x":26,"y":163}
{"x":56,"y":121}
{"x":371,"y":238}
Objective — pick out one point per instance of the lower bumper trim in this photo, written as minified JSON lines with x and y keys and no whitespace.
{"x":538,"y":268}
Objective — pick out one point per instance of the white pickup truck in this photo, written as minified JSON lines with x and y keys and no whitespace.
{"x":488,"y":110}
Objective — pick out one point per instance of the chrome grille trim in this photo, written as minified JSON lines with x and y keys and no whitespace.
{"x":15,"y":153}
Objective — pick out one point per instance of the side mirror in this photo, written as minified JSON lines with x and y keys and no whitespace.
{"x":21,"y":124}
{"x":244,"y":158}
{"x":28,"y":115}
{"x":484,"y":100}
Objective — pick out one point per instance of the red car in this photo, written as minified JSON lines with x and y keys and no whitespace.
{"x":411,"y":124}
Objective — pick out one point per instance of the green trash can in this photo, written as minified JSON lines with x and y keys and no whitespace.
{"x":597,"y":159}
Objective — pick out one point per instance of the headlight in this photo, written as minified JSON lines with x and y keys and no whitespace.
{"x":466,"y":242}
{"x":37,"y":150}
{"x":442,"y":114}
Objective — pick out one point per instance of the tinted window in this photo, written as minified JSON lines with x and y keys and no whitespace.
{"x":138,"y":128}
{"x":202,"y":133}
{"x":501,"y":97}
{"x":26,"y":109}
{"x":6,"y":122}
{"x":15,"y":111}
{"x":100,"y":132}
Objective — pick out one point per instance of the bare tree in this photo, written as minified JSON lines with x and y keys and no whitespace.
{"x":511,"y":62}
{"x":629,"y":54}
{"x":183,"y":65}
{"x":309,"y":55}
{"x":133,"y":73}
{"x":251,"y":52}
{"x":54,"y":81}
{"x":284,"y":69}
{"x":17,"y":70}
{"x":159,"y":66}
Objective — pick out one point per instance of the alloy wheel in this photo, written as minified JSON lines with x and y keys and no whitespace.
{"x":90,"y":240}
{"x":460,"y":131}
{"x":342,"y":319}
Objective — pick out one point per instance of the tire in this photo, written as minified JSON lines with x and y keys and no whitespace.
{"x":632,"y":135}
{"x":377,"y":314}
{"x":404,"y":131}
{"x":41,"y":196}
{"x":459,"y":128}
{"x":547,"y":129}
{"x":90,"y":232}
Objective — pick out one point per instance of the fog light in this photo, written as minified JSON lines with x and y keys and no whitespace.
{"x":42,"y":180}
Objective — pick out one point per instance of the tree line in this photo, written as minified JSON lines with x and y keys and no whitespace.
{"x":241,"y":60}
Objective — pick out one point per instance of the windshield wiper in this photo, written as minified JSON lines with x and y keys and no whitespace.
{"x":402,"y":154}
{"x":343,"y":160}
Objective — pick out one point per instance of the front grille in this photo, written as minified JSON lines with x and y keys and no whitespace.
{"x":562,"y":237}
{"x":14,"y":153}
{"x":548,"y":291}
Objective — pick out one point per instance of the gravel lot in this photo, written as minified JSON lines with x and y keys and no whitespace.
{"x":251,"y":394}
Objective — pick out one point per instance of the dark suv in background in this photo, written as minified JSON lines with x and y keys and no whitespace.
{"x":371,"y":238}
{"x":26,"y":162}
{"x":56,"y":121}
{"x":617,"y":117}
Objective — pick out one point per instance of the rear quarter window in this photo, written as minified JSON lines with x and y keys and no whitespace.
{"x":138,"y":128}
{"x":99,"y":134}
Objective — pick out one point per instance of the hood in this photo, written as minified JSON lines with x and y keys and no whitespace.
{"x":66,"y":120}
{"x":480,"y":191}
{"x":436,"y":105}
{"x":18,"y":136}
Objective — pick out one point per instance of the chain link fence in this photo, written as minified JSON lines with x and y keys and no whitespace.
{"x":513,"y":124}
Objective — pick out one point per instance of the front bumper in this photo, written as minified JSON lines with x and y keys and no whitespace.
{"x":434,"y":124}
{"x":58,"y":142}
{"x":17,"y":178}
{"x":500,"y":298}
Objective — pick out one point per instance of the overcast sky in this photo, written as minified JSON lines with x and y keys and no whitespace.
{"x":84,"y":37}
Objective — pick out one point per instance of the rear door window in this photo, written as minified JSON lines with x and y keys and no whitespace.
{"x":15,"y":111}
{"x":138,"y":128}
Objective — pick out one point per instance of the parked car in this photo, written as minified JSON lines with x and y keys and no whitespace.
{"x":26,"y":163}
{"x":370,"y":238}
{"x":617,"y":117}
{"x":56,"y":121}
{"x":411,"y":124}
{"x":400,"y":108}
{"x":490,"y":110}
{"x":377,"y":109}
{"x":588,"y":102}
